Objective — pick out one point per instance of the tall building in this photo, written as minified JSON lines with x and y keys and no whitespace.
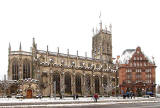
{"x":136,"y":73}
{"x":46,"y":73}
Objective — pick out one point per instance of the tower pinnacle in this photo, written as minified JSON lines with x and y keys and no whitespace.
{"x":9,"y":48}
{"x":100,"y":22}
{"x":110,"y":28}
{"x":93,"y":31}
{"x":47,"y":48}
{"x":100,"y":26}
{"x":20,"y":47}
{"x":34,"y":44}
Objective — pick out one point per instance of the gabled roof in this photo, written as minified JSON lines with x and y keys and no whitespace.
{"x":126,"y":55}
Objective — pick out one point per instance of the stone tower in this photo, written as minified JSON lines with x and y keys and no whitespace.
{"x":102,"y":44}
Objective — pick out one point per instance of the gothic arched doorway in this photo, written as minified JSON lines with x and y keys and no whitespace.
{"x":29,"y":93}
{"x":96,"y":84}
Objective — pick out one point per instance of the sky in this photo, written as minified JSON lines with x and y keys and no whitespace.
{"x":68,"y":24}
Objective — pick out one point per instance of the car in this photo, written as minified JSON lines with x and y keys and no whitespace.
{"x":146,"y":96}
{"x":18,"y":96}
{"x":157,"y":95}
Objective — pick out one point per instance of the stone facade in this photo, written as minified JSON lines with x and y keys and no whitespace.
{"x":136,"y":73}
{"x":64,"y":74}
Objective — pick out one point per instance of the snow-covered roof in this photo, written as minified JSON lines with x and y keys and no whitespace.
{"x":126,"y":55}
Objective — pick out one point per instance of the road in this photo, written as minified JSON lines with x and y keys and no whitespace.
{"x":108,"y":105}
{"x":135,"y":105}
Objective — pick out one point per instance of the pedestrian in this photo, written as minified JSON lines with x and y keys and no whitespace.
{"x":77,"y":96}
{"x":124,"y":96}
{"x":60,"y":96}
{"x":74,"y":97}
{"x":95,"y":97}
{"x":133,"y":95}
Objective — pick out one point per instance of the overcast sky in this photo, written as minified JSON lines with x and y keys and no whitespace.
{"x":69,"y":23}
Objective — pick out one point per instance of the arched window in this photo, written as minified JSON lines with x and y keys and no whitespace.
{"x":96,"y":84}
{"x":56,"y":78}
{"x":88,"y":83}
{"x":67,"y":83}
{"x":105,"y":81}
{"x":78,"y":83}
{"x":15,"y":70}
{"x":26,"y":69}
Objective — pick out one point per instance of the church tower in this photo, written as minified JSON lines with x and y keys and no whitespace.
{"x":102,"y":44}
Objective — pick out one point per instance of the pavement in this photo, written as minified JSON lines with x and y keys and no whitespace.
{"x":69,"y":102}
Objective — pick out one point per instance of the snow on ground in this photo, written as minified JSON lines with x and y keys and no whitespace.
{"x":65,"y":99}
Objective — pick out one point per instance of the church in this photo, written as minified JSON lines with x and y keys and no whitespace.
{"x":47,"y":73}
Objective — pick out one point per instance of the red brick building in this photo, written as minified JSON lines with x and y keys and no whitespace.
{"x":136,"y":73}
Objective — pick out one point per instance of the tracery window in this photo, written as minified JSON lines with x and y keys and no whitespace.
{"x":56,"y":78}
{"x":88,"y":83}
{"x":15,"y":70}
{"x":96,"y":84}
{"x":26,"y":69}
{"x":105,"y":81}
{"x":67,"y":83}
{"x":78,"y":83}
